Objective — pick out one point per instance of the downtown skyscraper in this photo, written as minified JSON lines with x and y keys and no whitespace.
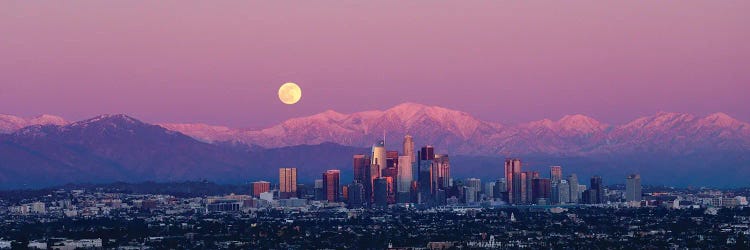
{"x":404,"y":178}
{"x":409,"y":148}
{"x":331,"y":184}
{"x":287,"y":182}
{"x":514,"y":181}
{"x":633,"y":188}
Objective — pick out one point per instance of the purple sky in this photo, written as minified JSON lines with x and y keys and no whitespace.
{"x":506,"y":61}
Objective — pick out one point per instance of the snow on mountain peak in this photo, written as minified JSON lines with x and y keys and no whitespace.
{"x":46,"y":119}
{"x":722,"y":120}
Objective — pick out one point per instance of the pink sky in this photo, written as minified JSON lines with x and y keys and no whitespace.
{"x":505,"y":61}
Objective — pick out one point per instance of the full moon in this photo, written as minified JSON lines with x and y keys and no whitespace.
{"x":290,"y":93}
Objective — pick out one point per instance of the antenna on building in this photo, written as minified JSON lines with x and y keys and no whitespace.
{"x":383,"y":137}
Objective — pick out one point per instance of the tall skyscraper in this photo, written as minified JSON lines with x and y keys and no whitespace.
{"x":331,"y":184}
{"x":633,"y":188}
{"x":260,"y":187}
{"x":391,"y":159}
{"x":427,"y":153}
{"x":529,"y":190}
{"x":521,"y":179}
{"x":512,"y":180}
{"x":441,"y":173}
{"x":404,"y":178}
{"x":287,"y":182}
{"x":424,"y":178}
{"x":360,"y":165}
{"x":489,"y":190}
{"x":475,"y":183}
{"x":596,"y":191}
{"x":409,"y":148}
{"x":541,"y":189}
{"x":501,"y":190}
{"x":381,"y":191}
{"x":561,"y":192}
{"x":319,"y":190}
{"x":356,"y":194}
{"x":379,"y":155}
{"x":555,"y":174}
{"x":574,"y":193}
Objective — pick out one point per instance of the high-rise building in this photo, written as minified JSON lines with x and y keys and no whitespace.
{"x":391,"y":159}
{"x":409,"y":148}
{"x":356,"y":194}
{"x":331,"y":181}
{"x":596,"y":191}
{"x":489,"y":190}
{"x":529,"y":190}
{"x":381,"y":191}
{"x":427,"y":153}
{"x":541,"y":189}
{"x":555,"y":174}
{"x":633,"y":188}
{"x":360,"y":165}
{"x":319,"y":190}
{"x":512,"y":180}
{"x":287,"y":182}
{"x":573,"y":183}
{"x":260,"y":187}
{"x":475,"y":183}
{"x":366,"y":172}
{"x":441,"y":173}
{"x":424,"y":177}
{"x":404,"y":178}
{"x":470,"y":194}
{"x":525,"y":197}
{"x":500,"y":191}
{"x":379,"y":155}
{"x":561,"y":192}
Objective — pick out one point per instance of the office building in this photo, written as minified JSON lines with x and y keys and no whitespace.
{"x":512,"y":180}
{"x":381,"y":191}
{"x":331,"y":184}
{"x":287,"y":182}
{"x":489,"y":190}
{"x":409,"y":148}
{"x":379,"y":155}
{"x":561,"y":192}
{"x":541,"y":189}
{"x":259,"y":187}
{"x":356,"y":194}
{"x":530,"y":176}
{"x":427,"y":153}
{"x":441,"y":173}
{"x":404,"y":178}
{"x":574,"y":193}
{"x":595,"y":193}
{"x":555,"y":174}
{"x":633,"y":188}
{"x":319,"y":190}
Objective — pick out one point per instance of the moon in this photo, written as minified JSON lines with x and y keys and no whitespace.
{"x":290,"y":93}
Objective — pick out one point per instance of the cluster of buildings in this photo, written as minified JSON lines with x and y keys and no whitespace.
{"x":385,"y":177}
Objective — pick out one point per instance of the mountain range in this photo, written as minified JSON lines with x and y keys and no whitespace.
{"x":457,"y":132}
{"x":666,"y":148}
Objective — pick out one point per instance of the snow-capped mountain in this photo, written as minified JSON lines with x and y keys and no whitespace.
{"x":9,"y":123}
{"x":460,"y":133}
{"x":680,"y":149}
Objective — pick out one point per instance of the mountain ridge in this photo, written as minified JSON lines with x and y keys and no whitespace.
{"x":459,"y":132}
{"x":110,"y":148}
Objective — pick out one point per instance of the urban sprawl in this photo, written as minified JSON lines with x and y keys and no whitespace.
{"x":397,"y":200}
